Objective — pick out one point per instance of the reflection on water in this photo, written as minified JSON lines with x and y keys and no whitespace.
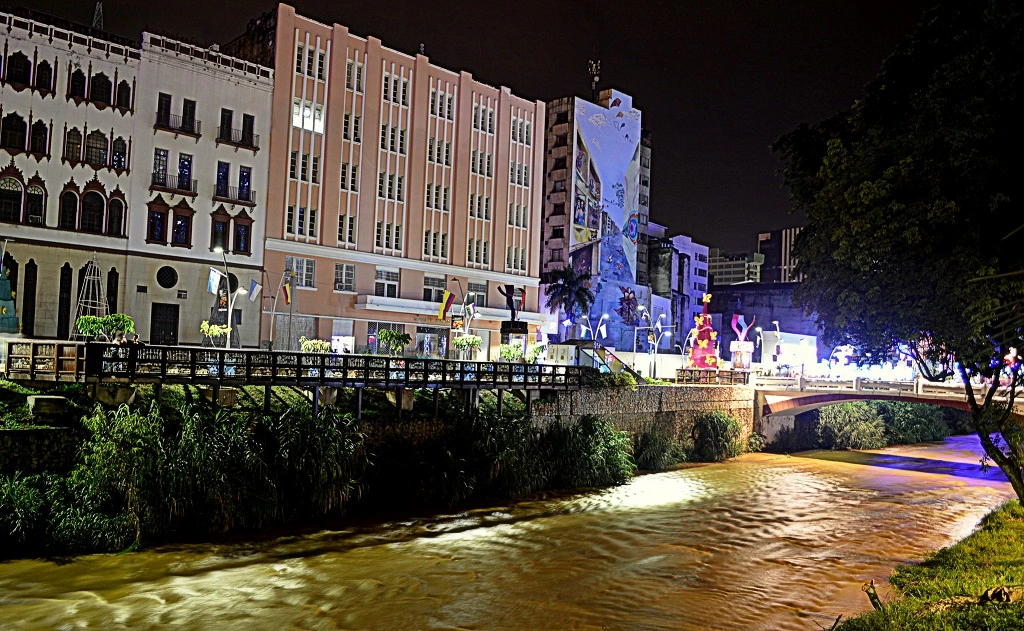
{"x":762,"y":542}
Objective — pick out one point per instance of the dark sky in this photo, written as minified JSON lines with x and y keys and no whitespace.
{"x":717,"y":81}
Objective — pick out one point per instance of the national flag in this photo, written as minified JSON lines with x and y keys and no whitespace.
{"x":213,"y":283}
{"x":254,"y":290}
{"x":446,"y":304}
{"x":603,"y":331}
{"x":286,"y":289}
{"x":470,"y":313}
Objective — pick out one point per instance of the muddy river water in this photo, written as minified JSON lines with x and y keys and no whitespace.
{"x":760,"y":542}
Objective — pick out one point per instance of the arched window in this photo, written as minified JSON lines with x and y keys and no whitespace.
{"x":10,"y":200}
{"x":37,"y":141}
{"x":100,"y":89}
{"x":96,"y":148}
{"x":35,"y":204}
{"x":69,"y":211}
{"x":13,"y":132}
{"x":77,"y":84}
{"x":44,"y":76}
{"x":92,"y":212}
{"x":120,"y":153}
{"x":73,"y":145}
{"x":124,"y":95}
{"x":19,"y":69}
{"x":115,"y":218}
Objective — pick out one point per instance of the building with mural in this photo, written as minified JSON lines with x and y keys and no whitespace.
{"x":592,"y":207}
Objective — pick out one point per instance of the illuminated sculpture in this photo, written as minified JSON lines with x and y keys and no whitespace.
{"x":703,"y":351}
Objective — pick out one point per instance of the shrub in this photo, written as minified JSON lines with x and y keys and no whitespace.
{"x":595,"y":379}
{"x":715,"y":437}
{"x":908,"y":423}
{"x":654,"y":449}
{"x":21,"y":510}
{"x":756,"y":442}
{"x":511,"y":352}
{"x":314,"y":345}
{"x":853,"y":425}
{"x":464,"y":342}
{"x":587,"y":454}
{"x":393,"y":341}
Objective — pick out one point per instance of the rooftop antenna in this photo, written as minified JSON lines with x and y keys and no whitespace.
{"x":594,"y":70}
{"x":97,"y":16}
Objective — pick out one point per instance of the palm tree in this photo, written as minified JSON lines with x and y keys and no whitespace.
{"x":569,"y":292}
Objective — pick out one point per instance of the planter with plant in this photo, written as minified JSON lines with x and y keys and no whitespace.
{"x":105,"y":327}
{"x":511,"y":352}
{"x":467,"y":345}
{"x":210,"y":333}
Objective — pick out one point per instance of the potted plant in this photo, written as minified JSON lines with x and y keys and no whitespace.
{"x":314,"y":345}
{"x":210,"y":334}
{"x":511,"y":352}
{"x":534,"y":352}
{"x":468,"y":345}
{"x":106,"y":327}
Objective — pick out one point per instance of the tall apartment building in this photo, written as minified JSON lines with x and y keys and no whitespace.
{"x":392,"y":179}
{"x":68,"y":101}
{"x":698,"y":283}
{"x":645,"y":207}
{"x":730,"y":269}
{"x":592,"y":205}
{"x":100,"y":165}
{"x":678,"y":271}
{"x":777,"y":248}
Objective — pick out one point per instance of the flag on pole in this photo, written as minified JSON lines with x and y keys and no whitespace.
{"x":254,"y":290}
{"x":446,"y":304}
{"x":470,"y":313}
{"x":213,"y":283}
{"x":602,"y":331}
{"x":286,"y":289}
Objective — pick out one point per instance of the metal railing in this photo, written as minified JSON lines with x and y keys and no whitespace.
{"x":173,"y":182}
{"x":110,"y":363}
{"x":713,"y":377}
{"x":234,"y":193}
{"x":240,"y":137}
{"x":857,"y":384}
{"x":178,"y":123}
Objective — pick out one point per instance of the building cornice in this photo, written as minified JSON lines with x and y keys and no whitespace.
{"x":355,"y":256}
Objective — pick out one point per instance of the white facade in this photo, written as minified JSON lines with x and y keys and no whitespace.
{"x":199,"y":183}
{"x":68,"y":96}
{"x":698,"y":282}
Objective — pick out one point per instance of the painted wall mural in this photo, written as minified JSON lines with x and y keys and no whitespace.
{"x":606,"y":211}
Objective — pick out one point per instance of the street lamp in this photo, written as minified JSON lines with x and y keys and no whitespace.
{"x":594,"y":329}
{"x":636,"y":330}
{"x":231,"y":296}
{"x":760,"y":344}
{"x":657,"y":341}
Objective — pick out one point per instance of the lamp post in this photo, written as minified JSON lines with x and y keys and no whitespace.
{"x":760,"y":344}
{"x":231,"y":296}
{"x":643,"y":314}
{"x":594,"y":329}
{"x":657,"y":341}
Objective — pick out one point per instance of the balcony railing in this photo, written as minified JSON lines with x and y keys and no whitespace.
{"x":175,"y":183}
{"x":179,"y":124}
{"x":234,"y":194}
{"x":240,"y":137}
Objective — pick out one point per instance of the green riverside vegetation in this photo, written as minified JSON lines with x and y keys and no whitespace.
{"x":942,"y":593}
{"x":182,"y":469}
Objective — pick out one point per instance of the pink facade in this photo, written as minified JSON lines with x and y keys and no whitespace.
{"x":390,"y":178}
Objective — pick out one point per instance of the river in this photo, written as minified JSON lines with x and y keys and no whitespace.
{"x":761,"y":542}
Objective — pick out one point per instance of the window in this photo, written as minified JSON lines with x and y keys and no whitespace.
{"x":19,"y":69}
{"x":73,"y":145}
{"x":120,"y":154}
{"x":351,"y":236}
{"x":386,"y":283}
{"x":68,"y":211}
{"x":181,"y":230}
{"x":13,"y":132}
{"x":299,"y":55}
{"x":293,"y":165}
{"x":303,"y":270}
{"x":380,"y":184}
{"x":10,"y":200}
{"x":445,"y":207}
{"x":387,"y":87}
{"x":304,"y":169}
{"x":447,"y":153}
{"x":378,"y":239}
{"x":433,"y":101}
{"x":188,"y":116}
{"x":308,"y":116}
{"x":100,"y":89}
{"x":312,"y":232}
{"x":400,"y":188}
{"x":490,"y":121}
{"x":449,"y":110}
{"x":344,"y":277}
{"x":359,"y":77}
{"x":401,"y":141}
{"x":479,"y":292}
{"x":115,"y":218}
{"x":384,"y":136}
{"x":309,"y":63}
{"x":44,"y":76}
{"x":156,"y":230}
{"x":444,"y":245}
{"x":77,"y":87}
{"x":96,"y":148}
{"x":405,"y":91}
{"x":558,"y":233}
{"x":93,"y":211}
{"x":242,"y":243}
{"x":301,"y":224}
{"x":320,"y":67}
{"x":316,"y":170}
{"x":348,"y":75}
{"x":219,"y":230}
{"x":123,"y":99}
{"x":35,"y":208}
{"x":433,"y":288}
{"x":289,"y":220}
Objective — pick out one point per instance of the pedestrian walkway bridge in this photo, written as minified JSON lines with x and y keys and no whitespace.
{"x":47,"y":360}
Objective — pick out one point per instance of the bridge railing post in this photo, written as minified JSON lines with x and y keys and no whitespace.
{"x":856,"y":384}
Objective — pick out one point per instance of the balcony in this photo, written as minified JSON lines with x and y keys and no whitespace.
{"x":238,"y":138}
{"x":177,"y":124}
{"x":172,"y":184}
{"x":234,"y":195}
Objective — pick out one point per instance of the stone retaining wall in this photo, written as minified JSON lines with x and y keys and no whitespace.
{"x":39,"y":449}
{"x":671,"y":408}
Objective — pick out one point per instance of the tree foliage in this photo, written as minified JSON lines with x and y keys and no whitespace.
{"x":393,"y":341}
{"x":911,"y":194}
{"x":569,"y":292}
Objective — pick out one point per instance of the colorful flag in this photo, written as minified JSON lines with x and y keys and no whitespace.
{"x":470,"y":313}
{"x":446,"y":304}
{"x":286,"y":289}
{"x":213,"y":283}
{"x":254,"y":290}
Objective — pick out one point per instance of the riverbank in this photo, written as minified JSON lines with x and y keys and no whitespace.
{"x":942,"y":592}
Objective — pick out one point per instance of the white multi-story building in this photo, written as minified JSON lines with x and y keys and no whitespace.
{"x":697,"y":284}
{"x":83,"y":121}
{"x":198,"y":189}
{"x":68,"y":99}
{"x":678,"y":272}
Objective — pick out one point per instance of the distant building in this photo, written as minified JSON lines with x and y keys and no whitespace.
{"x":730,"y":269}
{"x":645,"y":207}
{"x":761,"y":305}
{"x":677,"y":269}
{"x":777,"y":248}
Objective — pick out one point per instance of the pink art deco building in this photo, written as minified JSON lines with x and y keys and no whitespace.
{"x":391,"y":180}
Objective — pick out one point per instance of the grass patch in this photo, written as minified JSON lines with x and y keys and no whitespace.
{"x":991,"y":557}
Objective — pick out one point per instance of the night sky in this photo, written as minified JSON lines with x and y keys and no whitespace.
{"x":716,"y":81}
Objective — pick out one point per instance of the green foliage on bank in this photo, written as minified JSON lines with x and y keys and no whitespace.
{"x":594,"y":379}
{"x":937,"y":594}
{"x":716,"y":437}
{"x":872,"y":425}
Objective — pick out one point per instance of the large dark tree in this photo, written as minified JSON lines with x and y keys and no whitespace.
{"x":569,"y":292}
{"x":914,"y":195}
